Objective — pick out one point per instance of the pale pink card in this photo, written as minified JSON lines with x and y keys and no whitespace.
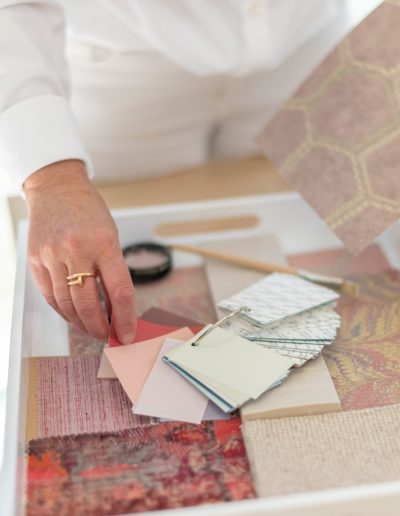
{"x":133,"y":363}
{"x":166,"y":394}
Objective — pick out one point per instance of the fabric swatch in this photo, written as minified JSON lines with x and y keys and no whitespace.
{"x":168,"y":465}
{"x":168,"y":395}
{"x":65,"y":397}
{"x":183,"y":291}
{"x":364,"y":361}
{"x":308,"y":453}
{"x":337,"y":140}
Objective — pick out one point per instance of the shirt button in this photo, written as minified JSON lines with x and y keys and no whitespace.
{"x":255,"y":7}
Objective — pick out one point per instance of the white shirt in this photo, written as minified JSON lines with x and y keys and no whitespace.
{"x":205,"y":37}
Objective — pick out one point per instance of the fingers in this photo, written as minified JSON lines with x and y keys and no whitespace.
{"x":119,"y":288}
{"x":45,"y":285}
{"x":62,"y":295}
{"x":86,"y":302}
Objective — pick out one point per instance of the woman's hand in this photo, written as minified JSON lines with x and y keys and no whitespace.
{"x":71,"y":231}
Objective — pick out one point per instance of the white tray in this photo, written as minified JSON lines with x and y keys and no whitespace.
{"x":38,"y":331}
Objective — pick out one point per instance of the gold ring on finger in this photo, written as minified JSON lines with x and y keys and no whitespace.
{"x":78,"y":278}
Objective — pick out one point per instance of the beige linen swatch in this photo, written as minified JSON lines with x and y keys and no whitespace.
{"x":298,"y":454}
{"x":337,"y":140}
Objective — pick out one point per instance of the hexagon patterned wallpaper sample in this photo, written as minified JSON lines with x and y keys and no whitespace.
{"x":337,"y":140}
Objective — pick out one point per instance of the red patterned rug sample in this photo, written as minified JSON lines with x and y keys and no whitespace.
{"x":167,"y":465}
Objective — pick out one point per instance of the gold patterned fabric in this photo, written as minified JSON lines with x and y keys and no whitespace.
{"x":337,"y":140}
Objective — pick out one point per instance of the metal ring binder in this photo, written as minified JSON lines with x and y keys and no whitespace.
{"x":218,"y":323}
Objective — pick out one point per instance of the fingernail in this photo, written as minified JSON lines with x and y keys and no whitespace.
{"x":129,"y":338}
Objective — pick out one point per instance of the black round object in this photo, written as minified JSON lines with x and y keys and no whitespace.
{"x":147,"y":261}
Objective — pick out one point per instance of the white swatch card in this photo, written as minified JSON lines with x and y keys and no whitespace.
{"x":279,"y":296}
{"x":230,"y":360}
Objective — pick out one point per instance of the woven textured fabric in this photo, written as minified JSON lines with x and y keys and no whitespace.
{"x":337,"y":140}
{"x":184,"y":292}
{"x":307,"y":453}
{"x":65,"y":397}
{"x":156,"y":467}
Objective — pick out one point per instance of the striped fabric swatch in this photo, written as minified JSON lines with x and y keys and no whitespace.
{"x":65,"y":397}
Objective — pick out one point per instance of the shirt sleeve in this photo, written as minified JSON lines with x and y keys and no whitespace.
{"x":37,"y":126}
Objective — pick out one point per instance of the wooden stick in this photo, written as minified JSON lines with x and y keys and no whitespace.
{"x":347,"y":287}
{"x":235,"y":260}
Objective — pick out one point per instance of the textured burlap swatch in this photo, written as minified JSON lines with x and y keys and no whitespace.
{"x":307,"y":453}
{"x":337,"y":140}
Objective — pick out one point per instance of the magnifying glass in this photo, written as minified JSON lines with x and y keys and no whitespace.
{"x":147,"y":261}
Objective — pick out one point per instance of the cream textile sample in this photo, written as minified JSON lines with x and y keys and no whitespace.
{"x":296,"y":454}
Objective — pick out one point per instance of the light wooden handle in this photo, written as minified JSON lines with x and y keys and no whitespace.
{"x":235,"y":260}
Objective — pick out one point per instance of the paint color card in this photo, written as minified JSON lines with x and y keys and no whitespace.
{"x":133,"y":363}
{"x":167,"y":394}
{"x":213,"y":413}
{"x":153,"y":323}
{"x":145,"y":330}
{"x":222,"y":404}
{"x":167,"y":318}
{"x":233,"y":361}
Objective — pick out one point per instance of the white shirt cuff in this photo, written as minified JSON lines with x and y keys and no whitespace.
{"x":38,"y":132}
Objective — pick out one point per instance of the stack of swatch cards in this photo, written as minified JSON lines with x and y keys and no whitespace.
{"x":272,"y":326}
{"x":287,"y":314}
{"x":281,"y":321}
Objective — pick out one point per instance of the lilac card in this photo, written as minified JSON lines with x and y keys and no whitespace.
{"x":213,"y":413}
{"x":166,"y":394}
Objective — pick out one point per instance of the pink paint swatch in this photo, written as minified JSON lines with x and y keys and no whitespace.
{"x":167,"y":394}
{"x":133,"y":363}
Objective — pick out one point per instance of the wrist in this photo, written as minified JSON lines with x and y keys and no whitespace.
{"x":57,"y":176}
